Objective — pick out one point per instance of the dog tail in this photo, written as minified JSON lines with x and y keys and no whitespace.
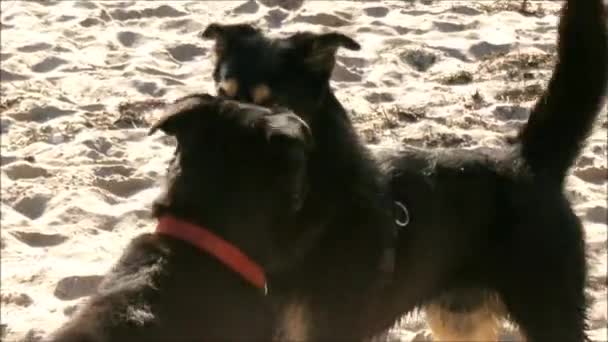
{"x":563,"y":117}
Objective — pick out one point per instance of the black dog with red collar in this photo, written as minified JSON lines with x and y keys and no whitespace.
{"x":234,"y":179}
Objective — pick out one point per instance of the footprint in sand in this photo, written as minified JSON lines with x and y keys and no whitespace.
{"x":376,"y":11}
{"x":74,"y":287}
{"x":592,"y":174}
{"x":415,"y":13}
{"x":32,"y":206}
{"x":599,"y":150}
{"x":19,"y":299}
{"x":419,"y":59}
{"x":249,"y":7}
{"x":597,"y":282}
{"x":101,"y":145}
{"x":186,"y":52}
{"x":105,"y":16}
{"x":34,"y":239}
{"x":452,"y":52}
{"x":61,"y":49}
{"x":149,"y":88}
{"x":129,"y":220}
{"x":323,"y":19}
{"x":392,"y":79}
{"x":109,"y":170}
{"x":81,"y":219}
{"x":7,"y":159}
{"x":118,"y":4}
{"x":34,"y":47}
{"x":465,"y":10}
{"x":95,"y":107}
{"x":461,"y":77}
{"x":290,"y":5}
{"x":157,"y":72}
{"x":65,"y":18}
{"x":484,"y":49}
{"x":84,"y":4}
{"x":130,"y":39}
{"x":513,"y":112}
{"x":41,"y":114}
{"x":584,"y":161}
{"x":88,"y":22}
{"x":34,"y":335}
{"x":343,"y":74}
{"x":447,"y":27}
{"x":379,"y":97}
{"x":596,"y":248}
{"x":376,"y":30}
{"x":182,"y":25}
{"x":164,"y":11}
{"x":597,"y":214}
{"x":48,"y":64}
{"x":275,"y":17}
{"x":7,"y":76}
{"x":25,"y":170}
{"x":123,"y":187}
{"x":5,"y":124}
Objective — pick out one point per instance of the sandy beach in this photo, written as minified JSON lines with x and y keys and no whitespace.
{"x":82,"y":81}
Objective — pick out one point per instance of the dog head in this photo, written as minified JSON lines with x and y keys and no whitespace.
{"x":238,"y":169}
{"x":292,"y":71}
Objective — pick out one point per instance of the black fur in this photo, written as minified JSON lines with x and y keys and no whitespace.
{"x":346,"y":223}
{"x":487,"y":223}
{"x":239,"y":171}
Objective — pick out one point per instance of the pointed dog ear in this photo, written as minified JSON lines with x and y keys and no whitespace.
{"x":319,"y":50}
{"x":222,"y":34}
{"x":179,"y":116}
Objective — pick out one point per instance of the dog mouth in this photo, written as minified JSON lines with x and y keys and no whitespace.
{"x":267,"y":103}
{"x":260,"y":94}
{"x":274,"y":107}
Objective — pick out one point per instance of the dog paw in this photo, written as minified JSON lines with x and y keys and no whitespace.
{"x":286,"y":125}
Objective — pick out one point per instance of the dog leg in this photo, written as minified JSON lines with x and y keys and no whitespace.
{"x":295,"y":323}
{"x":455,"y":318}
{"x":557,"y":313}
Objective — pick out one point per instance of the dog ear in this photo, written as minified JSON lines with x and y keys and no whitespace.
{"x":319,"y":50}
{"x":179,"y":115}
{"x":224,"y":33}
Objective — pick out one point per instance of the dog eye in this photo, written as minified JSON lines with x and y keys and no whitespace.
{"x":229,"y":87}
{"x":261,"y":94}
{"x":221,"y":92}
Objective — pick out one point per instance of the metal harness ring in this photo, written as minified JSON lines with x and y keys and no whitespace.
{"x":406,"y":215}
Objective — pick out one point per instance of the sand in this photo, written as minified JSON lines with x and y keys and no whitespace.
{"x":81,"y":82}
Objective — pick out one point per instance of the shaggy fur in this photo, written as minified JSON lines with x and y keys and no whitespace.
{"x":488,"y":233}
{"x":239,"y":171}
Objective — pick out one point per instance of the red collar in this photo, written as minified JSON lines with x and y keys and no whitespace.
{"x":208,"y":242}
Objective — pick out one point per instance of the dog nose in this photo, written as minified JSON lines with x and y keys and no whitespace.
{"x":228,"y":87}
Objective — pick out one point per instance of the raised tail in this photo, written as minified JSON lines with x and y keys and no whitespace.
{"x":563,"y":117}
